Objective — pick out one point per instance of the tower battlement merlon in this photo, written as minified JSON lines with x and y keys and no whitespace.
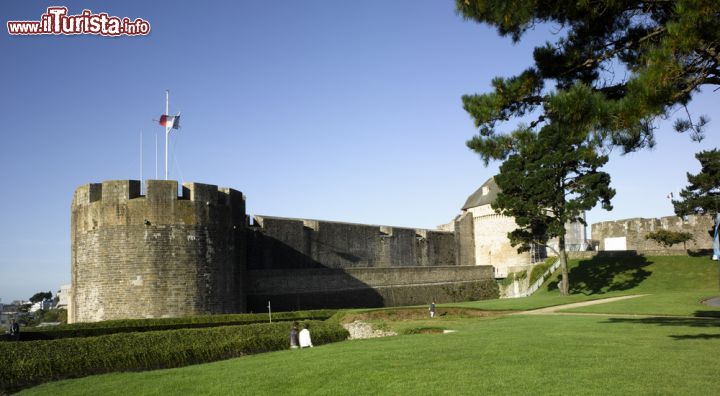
{"x":161,"y":191}
{"x":87,"y":194}
{"x":120,"y":190}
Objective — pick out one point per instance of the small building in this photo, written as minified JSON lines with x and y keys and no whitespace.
{"x":44,"y":305}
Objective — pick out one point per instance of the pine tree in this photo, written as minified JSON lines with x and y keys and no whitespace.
{"x":616,"y":68}
{"x":550,"y":180}
{"x":702,"y":196}
{"x":643,"y":58}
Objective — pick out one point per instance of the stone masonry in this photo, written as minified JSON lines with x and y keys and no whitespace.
{"x":157,"y":255}
{"x":635,"y":230}
{"x":164,"y":255}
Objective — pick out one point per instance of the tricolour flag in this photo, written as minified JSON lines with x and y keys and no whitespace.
{"x":169,"y":121}
{"x":670,"y":196}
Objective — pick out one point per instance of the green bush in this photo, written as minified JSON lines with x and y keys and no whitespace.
{"x":668,"y":238}
{"x":512,"y":277}
{"x":30,"y":363}
{"x":141,"y":325}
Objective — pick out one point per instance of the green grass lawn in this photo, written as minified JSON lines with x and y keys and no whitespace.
{"x":518,"y":354}
{"x":675,"y":284}
{"x":506,"y":355}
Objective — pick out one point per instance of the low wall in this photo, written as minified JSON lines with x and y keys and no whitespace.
{"x":368,"y":287}
{"x":655,"y":252}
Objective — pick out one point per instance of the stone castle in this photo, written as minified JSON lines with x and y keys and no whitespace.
{"x":164,"y":254}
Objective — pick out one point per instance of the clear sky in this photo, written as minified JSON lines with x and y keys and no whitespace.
{"x":336,"y":110}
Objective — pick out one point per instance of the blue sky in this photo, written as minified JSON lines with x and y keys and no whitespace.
{"x":334,"y":110}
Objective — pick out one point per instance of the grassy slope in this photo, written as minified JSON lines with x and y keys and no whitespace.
{"x":507,"y":355}
{"x":676,"y":286}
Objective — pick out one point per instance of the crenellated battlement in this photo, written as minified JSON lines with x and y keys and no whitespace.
{"x":157,"y":192}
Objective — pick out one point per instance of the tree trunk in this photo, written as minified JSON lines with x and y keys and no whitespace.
{"x":564,"y":285}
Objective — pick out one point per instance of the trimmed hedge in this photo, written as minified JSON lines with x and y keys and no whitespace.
{"x":93,"y":329}
{"x":31,"y":363}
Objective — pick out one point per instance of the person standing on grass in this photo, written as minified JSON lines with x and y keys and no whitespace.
{"x":14,"y":330}
{"x":304,"y":337}
{"x":294,"y":336}
{"x":432,"y":309}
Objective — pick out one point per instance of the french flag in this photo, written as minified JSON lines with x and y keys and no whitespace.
{"x":169,"y":121}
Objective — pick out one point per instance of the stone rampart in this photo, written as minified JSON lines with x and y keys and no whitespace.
{"x":635,"y":230}
{"x":277,"y":242}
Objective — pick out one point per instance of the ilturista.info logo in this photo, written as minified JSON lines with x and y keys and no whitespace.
{"x":56,"y":21}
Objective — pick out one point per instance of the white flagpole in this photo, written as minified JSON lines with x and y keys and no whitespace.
{"x":141,"y":161}
{"x":167,"y":130}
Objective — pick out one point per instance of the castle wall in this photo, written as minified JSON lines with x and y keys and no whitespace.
{"x":296,"y":243}
{"x":160,"y":255}
{"x":634,"y":231}
{"x":492,"y":247}
{"x":301,"y":264}
{"x":368,"y":287}
{"x":464,"y":240}
{"x":156,"y":255}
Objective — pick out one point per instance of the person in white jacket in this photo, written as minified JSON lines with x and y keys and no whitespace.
{"x":305,"y":340}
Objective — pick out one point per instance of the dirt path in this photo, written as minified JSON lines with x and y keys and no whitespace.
{"x":554,"y":309}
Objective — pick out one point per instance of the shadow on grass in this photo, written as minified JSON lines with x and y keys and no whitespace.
{"x":696,"y":337}
{"x":706,"y":323}
{"x":606,"y":273}
{"x":707,"y":314}
{"x":700,"y":252}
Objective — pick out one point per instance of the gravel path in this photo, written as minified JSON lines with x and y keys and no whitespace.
{"x":554,"y":309}
{"x":361,"y":330}
{"x":712,"y":302}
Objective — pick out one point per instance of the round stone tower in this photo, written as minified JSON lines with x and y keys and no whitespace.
{"x":156,"y":255}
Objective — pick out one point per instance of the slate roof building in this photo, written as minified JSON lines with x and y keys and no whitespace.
{"x":489,"y":234}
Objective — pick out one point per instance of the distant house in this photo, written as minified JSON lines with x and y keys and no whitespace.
{"x":41,"y":305}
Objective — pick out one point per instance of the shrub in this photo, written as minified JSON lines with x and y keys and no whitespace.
{"x":512,"y":277}
{"x":668,"y":238}
{"x":141,"y":325}
{"x":34,"y":362}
